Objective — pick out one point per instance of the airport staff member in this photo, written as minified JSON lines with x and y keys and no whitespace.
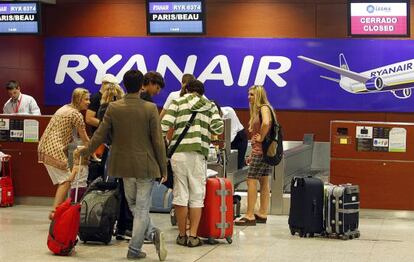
{"x":19,"y":103}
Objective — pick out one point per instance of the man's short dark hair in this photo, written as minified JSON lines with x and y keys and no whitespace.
{"x":12,"y":84}
{"x":133,"y":80}
{"x":195,"y":86}
{"x":154,"y":78}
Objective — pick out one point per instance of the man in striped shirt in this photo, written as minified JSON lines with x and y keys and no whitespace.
{"x":189,"y":160}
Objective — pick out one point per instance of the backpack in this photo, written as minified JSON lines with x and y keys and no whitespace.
{"x":273,"y":142}
{"x":99,"y":211}
{"x":64,"y":228}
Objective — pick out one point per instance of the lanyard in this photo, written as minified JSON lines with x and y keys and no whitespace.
{"x":18,"y":105}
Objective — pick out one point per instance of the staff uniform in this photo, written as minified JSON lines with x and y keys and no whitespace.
{"x":24,"y":105}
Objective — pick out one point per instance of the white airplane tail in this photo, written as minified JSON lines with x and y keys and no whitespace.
{"x":342,"y":62}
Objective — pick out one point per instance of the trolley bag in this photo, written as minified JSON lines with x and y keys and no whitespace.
{"x":342,"y":211}
{"x":64,"y":227}
{"x":217,"y":216}
{"x":99,"y":211}
{"x":161,"y":198}
{"x":6,"y":182}
{"x":306,"y":206}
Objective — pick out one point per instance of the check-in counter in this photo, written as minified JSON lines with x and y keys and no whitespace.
{"x":377,"y":156}
{"x":19,"y":136}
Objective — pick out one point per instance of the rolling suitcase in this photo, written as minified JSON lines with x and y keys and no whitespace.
{"x":6,"y":182}
{"x":306,"y":206}
{"x":217,"y":217}
{"x":341,"y":212}
{"x":64,"y":228}
{"x":99,"y":211}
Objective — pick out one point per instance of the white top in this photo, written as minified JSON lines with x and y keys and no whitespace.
{"x":170,"y":98}
{"x":236,"y":126}
{"x":24,"y":105}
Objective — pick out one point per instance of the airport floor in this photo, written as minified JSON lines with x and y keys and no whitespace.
{"x":385,"y":236}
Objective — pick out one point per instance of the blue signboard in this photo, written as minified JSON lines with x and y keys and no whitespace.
{"x":19,"y":18}
{"x":298,"y":74}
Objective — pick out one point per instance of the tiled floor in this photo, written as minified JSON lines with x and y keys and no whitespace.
{"x":385,"y":236}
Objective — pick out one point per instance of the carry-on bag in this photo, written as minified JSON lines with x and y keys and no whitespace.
{"x":306,"y":206}
{"x":64,"y":228}
{"x":99,"y":211}
{"x":217,"y":216}
{"x":161,"y":198}
{"x":341,"y":212}
{"x":6,"y":182}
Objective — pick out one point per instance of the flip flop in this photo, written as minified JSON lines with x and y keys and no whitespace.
{"x":259,"y":219}
{"x":245,"y":222}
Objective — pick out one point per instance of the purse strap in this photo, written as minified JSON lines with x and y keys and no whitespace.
{"x":181,"y":137}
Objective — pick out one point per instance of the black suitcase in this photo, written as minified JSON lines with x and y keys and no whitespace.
{"x":341,"y":217}
{"x":306,"y":206}
{"x":99,"y":211}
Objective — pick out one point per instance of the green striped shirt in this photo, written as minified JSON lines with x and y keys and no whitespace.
{"x":206,"y":123}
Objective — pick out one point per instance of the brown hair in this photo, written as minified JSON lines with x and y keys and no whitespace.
{"x":184,"y":81}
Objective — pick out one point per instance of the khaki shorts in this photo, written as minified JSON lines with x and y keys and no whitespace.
{"x":190,"y":172}
{"x":58,"y":176}
{"x":81,"y":178}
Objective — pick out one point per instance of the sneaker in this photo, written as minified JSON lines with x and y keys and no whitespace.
{"x":181,"y":240}
{"x":134,"y":256}
{"x":124,"y":235}
{"x":194,"y":242}
{"x":159,"y":243}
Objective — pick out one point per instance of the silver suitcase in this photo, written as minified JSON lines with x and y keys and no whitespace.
{"x":341,"y":210}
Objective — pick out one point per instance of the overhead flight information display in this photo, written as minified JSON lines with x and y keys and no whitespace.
{"x":175,"y":17}
{"x":19,"y":18}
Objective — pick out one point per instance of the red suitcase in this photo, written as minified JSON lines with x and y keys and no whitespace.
{"x":217,"y":217}
{"x":6,"y":184}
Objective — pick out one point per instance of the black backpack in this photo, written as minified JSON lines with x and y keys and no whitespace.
{"x":273,"y":142}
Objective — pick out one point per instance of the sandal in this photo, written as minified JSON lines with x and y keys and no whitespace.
{"x":194,"y":242}
{"x":245,"y":222}
{"x":259,"y":219}
{"x":51,"y":214}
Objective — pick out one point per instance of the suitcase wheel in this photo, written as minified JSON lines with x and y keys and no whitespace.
{"x":229,"y":240}
{"x":301,"y":233}
{"x":309,"y":235}
{"x":212,"y":241}
{"x":357,"y":235}
{"x":292,"y":231}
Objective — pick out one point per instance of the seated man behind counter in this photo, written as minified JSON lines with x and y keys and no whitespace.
{"x":19,"y":103}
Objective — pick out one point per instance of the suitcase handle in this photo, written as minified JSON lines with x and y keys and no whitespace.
{"x":314,"y":207}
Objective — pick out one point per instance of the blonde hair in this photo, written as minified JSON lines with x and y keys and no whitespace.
{"x":260,"y":99}
{"x":77,"y":95}
{"x":111,"y":93}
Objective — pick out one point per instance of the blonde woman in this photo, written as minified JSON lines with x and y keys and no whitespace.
{"x":259,"y":125}
{"x":112,"y":93}
{"x":53,"y":145}
{"x":91,"y":114}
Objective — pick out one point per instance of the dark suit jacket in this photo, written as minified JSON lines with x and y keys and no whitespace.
{"x":138,"y":148}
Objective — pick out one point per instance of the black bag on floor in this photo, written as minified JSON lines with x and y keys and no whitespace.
{"x":306,"y":206}
{"x":99,"y":211}
{"x":342,"y":211}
